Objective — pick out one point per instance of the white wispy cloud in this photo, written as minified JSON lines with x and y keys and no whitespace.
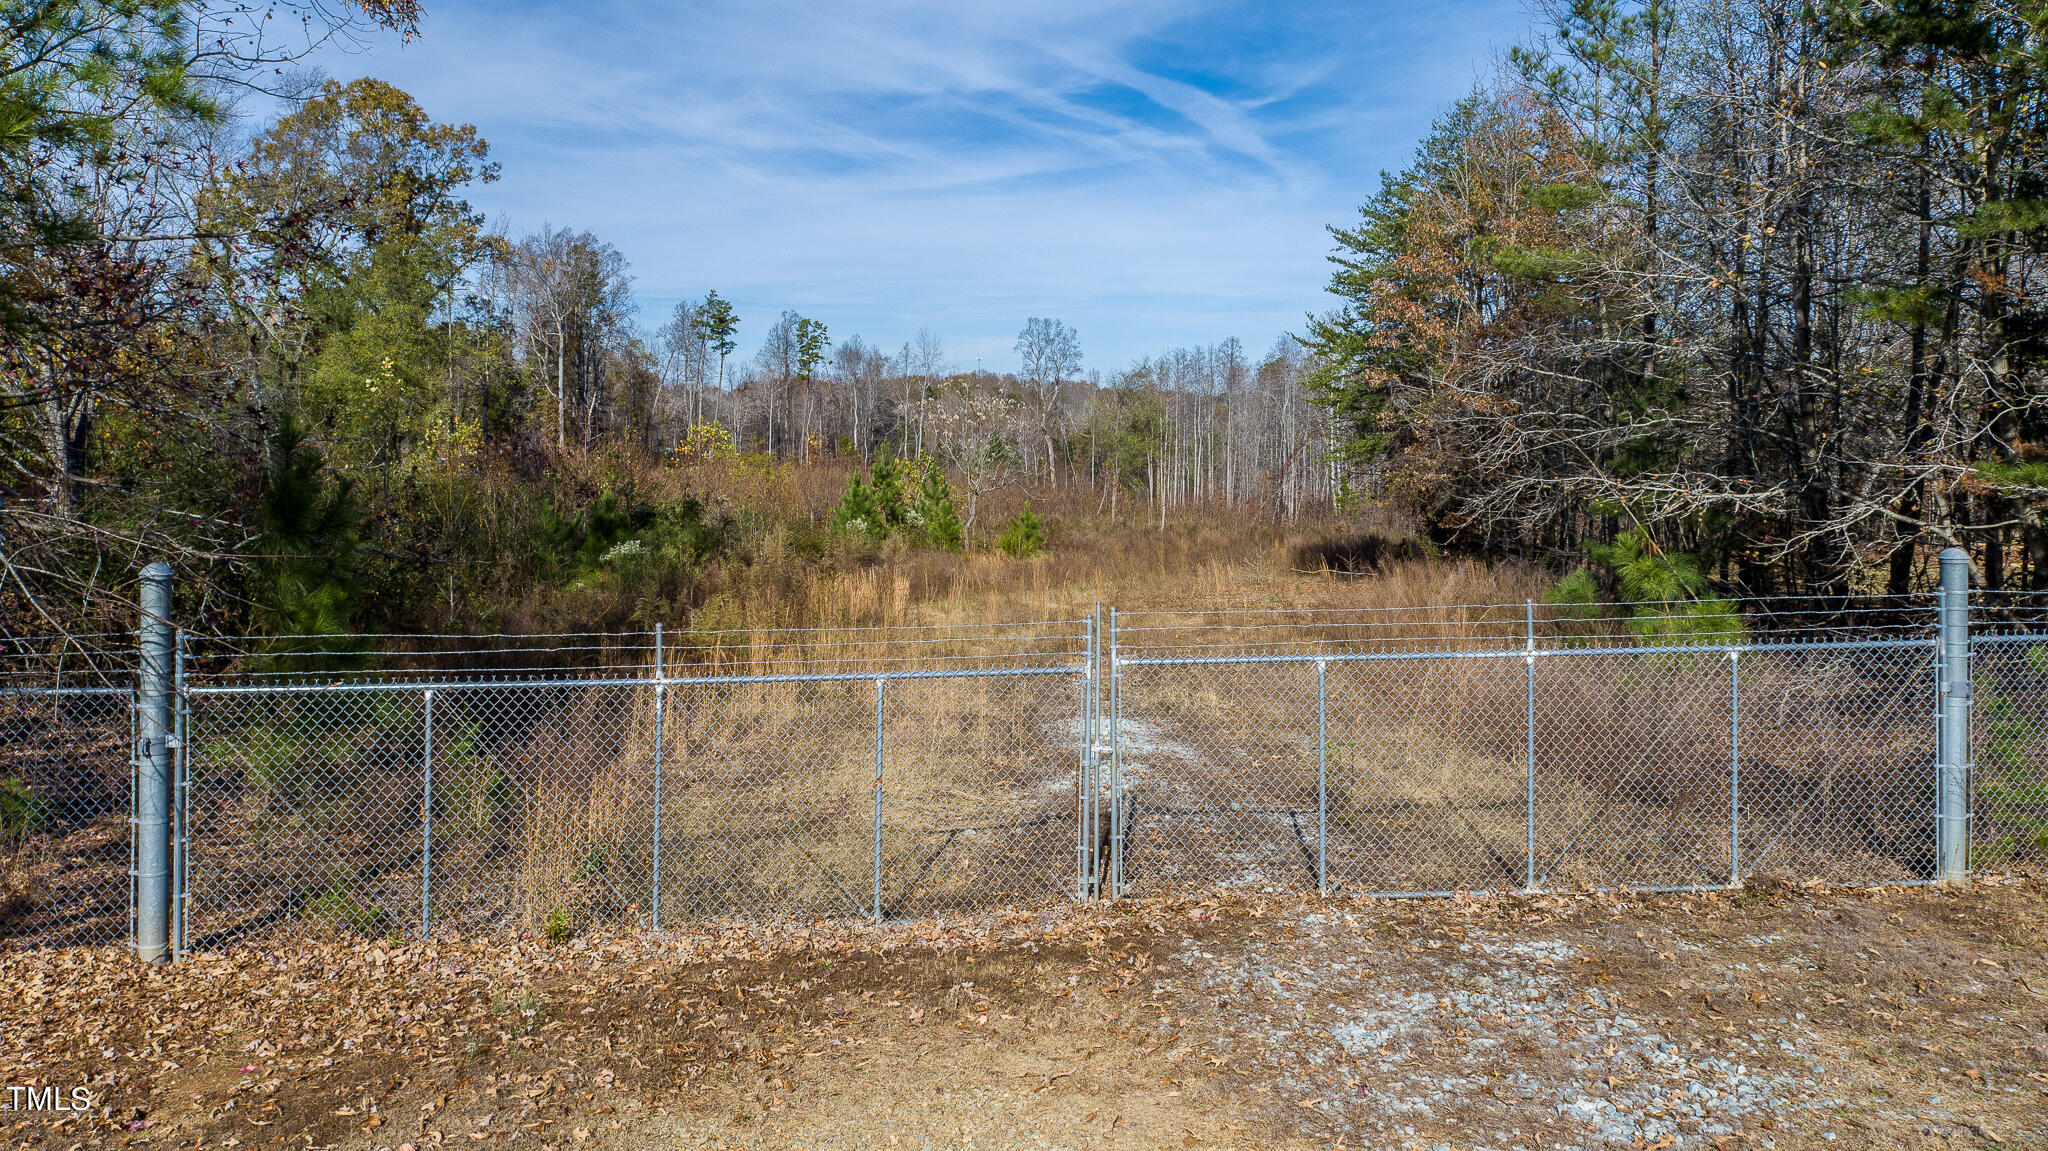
{"x":1153,"y":173}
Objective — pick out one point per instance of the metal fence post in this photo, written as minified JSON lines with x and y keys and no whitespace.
{"x":881,"y":686}
{"x":427,"y":824}
{"x":1952,"y":769}
{"x":1322,"y":778}
{"x":660,"y":710}
{"x":1086,"y":776}
{"x":1116,"y":765}
{"x":181,"y":796}
{"x":1529,"y":733}
{"x":134,"y":817}
{"x":155,"y":781}
{"x":1735,"y":769}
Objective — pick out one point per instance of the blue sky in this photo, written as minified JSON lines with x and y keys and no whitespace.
{"x":1153,"y":174}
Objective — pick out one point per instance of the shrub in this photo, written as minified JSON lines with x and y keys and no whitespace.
{"x":876,"y":506}
{"x":1023,"y":536}
{"x":887,"y":483}
{"x":857,"y":513}
{"x":559,"y":928}
{"x":307,"y":583}
{"x":936,"y":515}
{"x":22,"y":812}
{"x":1666,"y":597}
{"x":338,"y":906}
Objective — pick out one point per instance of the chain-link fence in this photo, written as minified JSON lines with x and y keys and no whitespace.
{"x":2009,"y":729}
{"x":1407,"y":773}
{"x":400,"y":785}
{"x":1542,"y":747}
{"x":559,"y":804}
{"x":66,"y":733}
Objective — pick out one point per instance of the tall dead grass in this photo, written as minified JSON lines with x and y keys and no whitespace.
{"x":786,"y":568}
{"x":1436,"y":781}
{"x":767,"y":800}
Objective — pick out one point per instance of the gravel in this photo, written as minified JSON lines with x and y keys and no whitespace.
{"x":1487,"y":1037}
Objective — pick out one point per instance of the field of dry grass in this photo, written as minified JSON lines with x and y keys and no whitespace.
{"x":1225,"y":1005}
{"x":312,"y":807}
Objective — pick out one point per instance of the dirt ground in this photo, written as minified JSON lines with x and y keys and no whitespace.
{"x":1776,"y":1017}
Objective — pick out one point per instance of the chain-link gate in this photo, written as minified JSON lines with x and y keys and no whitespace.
{"x":1561,"y":766}
{"x":554,"y":805}
{"x":2009,"y":726}
{"x":547,"y":783}
{"x":66,"y":852}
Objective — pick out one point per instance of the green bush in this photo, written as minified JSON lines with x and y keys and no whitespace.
{"x":1023,"y":536}
{"x":887,"y":483}
{"x":338,"y":906}
{"x":22,"y":812}
{"x":307,"y":583}
{"x":936,"y":515}
{"x":559,"y":928}
{"x":1667,"y":598}
{"x":876,"y":505}
{"x":857,"y":513}
{"x":621,"y":537}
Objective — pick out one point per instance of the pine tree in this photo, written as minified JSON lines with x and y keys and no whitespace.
{"x":1023,"y":536}
{"x":857,"y":512}
{"x":891,"y":503}
{"x":306,"y":582}
{"x":937,"y":516}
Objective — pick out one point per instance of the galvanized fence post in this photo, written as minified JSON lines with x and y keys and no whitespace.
{"x":155,"y":778}
{"x":134,"y":817}
{"x":1085,"y":777}
{"x":660,"y":710}
{"x":181,"y":802}
{"x":881,"y":687}
{"x":1529,"y":734}
{"x":1952,"y":770}
{"x":1322,"y":778}
{"x":427,"y":822}
{"x":1734,"y":768}
{"x":1116,"y":764}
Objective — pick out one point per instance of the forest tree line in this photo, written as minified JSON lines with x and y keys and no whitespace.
{"x":1742,"y":288}
{"x":1755,"y":282}
{"x":288,"y":355}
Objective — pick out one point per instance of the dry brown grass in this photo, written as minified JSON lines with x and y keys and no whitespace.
{"x":767,"y":801}
{"x":790,"y":571}
{"x":1429,"y":772}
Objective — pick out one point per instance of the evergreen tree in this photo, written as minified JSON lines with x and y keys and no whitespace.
{"x":857,"y":512}
{"x":891,"y":503}
{"x":1023,"y":536}
{"x":718,"y":322}
{"x":935,"y":513}
{"x":306,"y":582}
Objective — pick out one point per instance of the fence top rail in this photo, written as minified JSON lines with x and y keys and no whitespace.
{"x":1518,"y":621}
{"x":678,"y":648}
{"x":643,"y":681}
{"x":677,"y":631}
{"x":1754,"y":604}
{"x":865,"y":665}
{"x":1643,"y":649}
{"x":42,"y":692}
{"x":1520,"y":636}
